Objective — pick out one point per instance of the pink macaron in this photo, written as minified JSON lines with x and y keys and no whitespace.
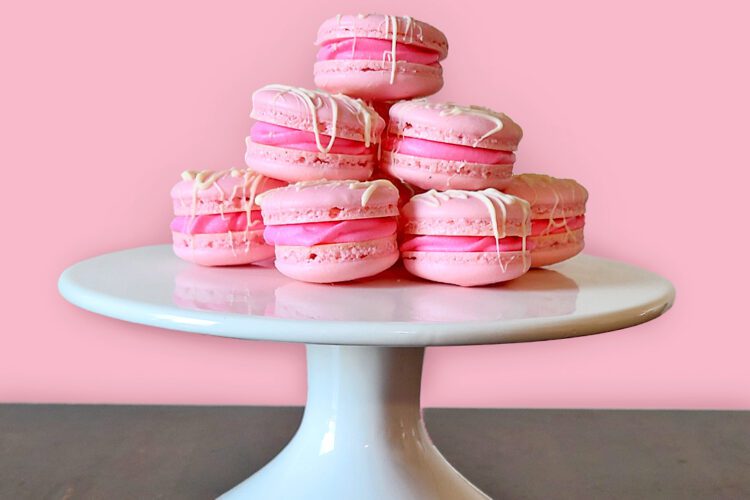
{"x":303,"y":135}
{"x":380,"y":58}
{"x":449,"y":146}
{"x":216,"y":221}
{"x":330,"y":231}
{"x":557,"y":215}
{"x":466,"y":238}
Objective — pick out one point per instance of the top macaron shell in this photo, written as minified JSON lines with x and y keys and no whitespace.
{"x":318,"y":112}
{"x":325,"y":201}
{"x":408,"y":30}
{"x":214,"y":192}
{"x":549,"y":196}
{"x":452,"y":214}
{"x":451,"y":123}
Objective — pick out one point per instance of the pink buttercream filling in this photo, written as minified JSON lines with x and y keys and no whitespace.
{"x":543,"y":226}
{"x":285,"y":137}
{"x":444,"y":151}
{"x":375,"y":49}
{"x":435,"y":243}
{"x":216,"y":223}
{"x":320,"y":233}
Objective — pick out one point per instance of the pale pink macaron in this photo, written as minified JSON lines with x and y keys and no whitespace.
{"x":466,"y":238}
{"x":558,"y":208}
{"x":216,"y":220}
{"x":303,"y":135}
{"x":330,"y":231}
{"x":379,"y":57}
{"x":449,"y":146}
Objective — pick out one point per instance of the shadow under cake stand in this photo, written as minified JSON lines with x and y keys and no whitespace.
{"x":362,"y":435}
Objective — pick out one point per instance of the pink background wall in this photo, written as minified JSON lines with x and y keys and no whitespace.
{"x":645,"y":103}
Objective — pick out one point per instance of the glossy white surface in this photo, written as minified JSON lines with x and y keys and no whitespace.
{"x":149,"y":285}
{"x":362,"y":435}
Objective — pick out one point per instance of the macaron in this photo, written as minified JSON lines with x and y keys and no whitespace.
{"x":303,"y":135}
{"x":558,"y":208}
{"x":466,"y":238}
{"x":449,"y":146}
{"x":379,"y":57}
{"x":216,"y":221}
{"x":330,"y":231}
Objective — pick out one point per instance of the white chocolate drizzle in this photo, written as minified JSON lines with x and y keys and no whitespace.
{"x":206,"y":179}
{"x":369,"y":187}
{"x":391,"y":25}
{"x":541,"y":181}
{"x":453,"y":109}
{"x":496,"y":203}
{"x":313,"y":101}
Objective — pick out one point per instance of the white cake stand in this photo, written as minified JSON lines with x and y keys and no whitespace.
{"x":362,"y":434}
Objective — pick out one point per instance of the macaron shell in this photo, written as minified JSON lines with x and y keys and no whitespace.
{"x":553,"y":248}
{"x":226,"y":195}
{"x":222,"y":249}
{"x":423,"y":119}
{"x":550,"y":197}
{"x":408,"y":30}
{"x":460,"y":217}
{"x":467,"y":268}
{"x":329,"y":201}
{"x":338,"y":261}
{"x":371,"y":79}
{"x":295,"y":165}
{"x":275,"y":104}
{"x":434,"y":173}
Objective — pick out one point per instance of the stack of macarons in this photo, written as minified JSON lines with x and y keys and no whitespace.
{"x":344,"y":179}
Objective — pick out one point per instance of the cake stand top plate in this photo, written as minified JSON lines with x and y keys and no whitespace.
{"x":149,"y":285}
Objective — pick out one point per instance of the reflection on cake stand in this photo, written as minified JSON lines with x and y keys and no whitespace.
{"x":362,"y":435}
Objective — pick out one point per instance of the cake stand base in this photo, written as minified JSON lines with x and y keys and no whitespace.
{"x":362,"y":435}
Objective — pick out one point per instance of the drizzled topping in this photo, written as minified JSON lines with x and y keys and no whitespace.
{"x":494,"y":118}
{"x":390,"y":26}
{"x":562,"y":190}
{"x":313,"y":100}
{"x":369,"y":187}
{"x":392,"y":23}
{"x":209,"y":179}
{"x":494,"y":201}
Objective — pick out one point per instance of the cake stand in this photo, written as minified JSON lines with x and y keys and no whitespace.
{"x":362,"y":435}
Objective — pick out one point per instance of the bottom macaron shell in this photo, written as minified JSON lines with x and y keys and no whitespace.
{"x":371,"y":79}
{"x":336,"y":262}
{"x":553,"y":248}
{"x":467,"y":268}
{"x":434,"y":173}
{"x":294,"y":165}
{"x":222,"y":249}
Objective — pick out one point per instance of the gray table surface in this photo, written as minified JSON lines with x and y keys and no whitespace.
{"x":173,"y":452}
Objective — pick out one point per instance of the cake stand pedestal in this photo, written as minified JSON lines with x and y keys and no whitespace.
{"x":362,"y":435}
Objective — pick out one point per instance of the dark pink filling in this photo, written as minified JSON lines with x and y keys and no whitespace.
{"x":440,"y":150}
{"x":270,"y":134}
{"x":440,"y":243}
{"x":543,"y":226}
{"x":319,"y":233}
{"x":375,"y":49}
{"x":216,"y":223}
